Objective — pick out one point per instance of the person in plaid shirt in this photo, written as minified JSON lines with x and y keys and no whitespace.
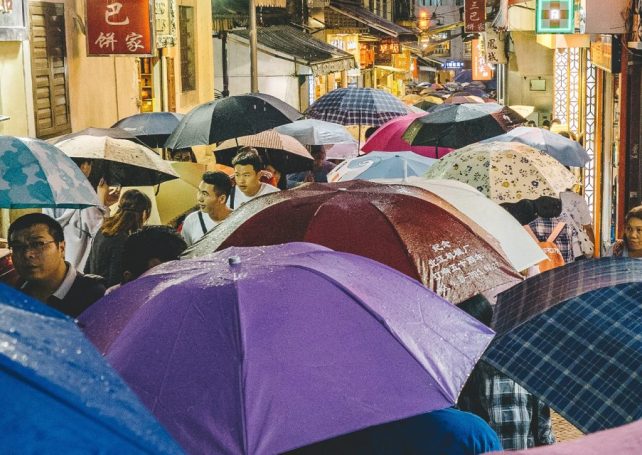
{"x":519,"y":418}
{"x":548,"y":210}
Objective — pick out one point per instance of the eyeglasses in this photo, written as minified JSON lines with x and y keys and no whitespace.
{"x":37,"y":246}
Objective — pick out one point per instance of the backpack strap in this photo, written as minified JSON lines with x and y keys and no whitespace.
{"x":232,"y":197}
{"x":556,"y":231}
{"x":200,"y":218}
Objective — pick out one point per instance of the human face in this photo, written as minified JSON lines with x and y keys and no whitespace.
{"x":36,"y":256}
{"x":633,"y":232}
{"x":208,"y":199}
{"x":247,"y":179}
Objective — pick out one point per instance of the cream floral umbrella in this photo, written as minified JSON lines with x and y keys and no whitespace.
{"x":504,"y":171}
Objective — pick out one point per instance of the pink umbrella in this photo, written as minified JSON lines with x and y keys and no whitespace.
{"x":624,"y":440}
{"x":388,"y":138}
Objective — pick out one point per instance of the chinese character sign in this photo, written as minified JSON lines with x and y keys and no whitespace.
{"x":482,"y":71}
{"x":474,"y":15}
{"x":495,"y":53}
{"x":119,"y":27}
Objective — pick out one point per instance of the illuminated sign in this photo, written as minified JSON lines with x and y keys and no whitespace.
{"x":554,"y":16}
{"x":482,"y":71}
{"x":119,"y":28}
{"x":452,"y":64}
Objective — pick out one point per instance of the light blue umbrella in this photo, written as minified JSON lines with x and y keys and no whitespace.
{"x":564,"y":150}
{"x":382,"y":165}
{"x":316,"y":132}
{"x":59,"y":395}
{"x":34,"y":174}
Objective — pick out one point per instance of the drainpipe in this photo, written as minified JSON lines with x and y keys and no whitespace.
{"x":254,"y":79}
{"x":226,"y":76}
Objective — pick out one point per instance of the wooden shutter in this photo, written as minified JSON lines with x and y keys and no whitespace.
{"x":49,"y":69}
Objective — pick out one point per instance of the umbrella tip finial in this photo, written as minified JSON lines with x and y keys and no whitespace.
{"x":234,"y":260}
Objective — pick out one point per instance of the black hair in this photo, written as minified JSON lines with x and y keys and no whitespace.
{"x":548,"y":207}
{"x":370,"y":131}
{"x":635,"y":212}
{"x":149,"y":242}
{"x":31,"y":219}
{"x":220,"y":181}
{"x":248,"y":156}
{"x":546,"y":123}
{"x":523,"y":211}
{"x":478,"y":307}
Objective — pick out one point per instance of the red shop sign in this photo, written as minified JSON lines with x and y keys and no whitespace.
{"x":474,"y":15}
{"x":119,"y":27}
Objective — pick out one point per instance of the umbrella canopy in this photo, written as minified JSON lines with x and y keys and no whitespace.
{"x":37,"y":174}
{"x":388,"y":138}
{"x":284,"y":152}
{"x":316,"y":132}
{"x":522,"y":110}
{"x":381,"y":165}
{"x":267,"y":337}
{"x":520,"y":248}
{"x":230,"y":117}
{"x":425,"y":105}
{"x":582,"y":357}
{"x":411,"y":98}
{"x":120,"y":161}
{"x":342,"y":151}
{"x":357,"y":106}
{"x":404,"y":227}
{"x":504,"y":171}
{"x":59,"y":395}
{"x":624,"y":440}
{"x":114,"y":133}
{"x":470,"y":90}
{"x":564,"y":150}
{"x":152,"y":128}
{"x":458,"y":125}
{"x":464,"y":99}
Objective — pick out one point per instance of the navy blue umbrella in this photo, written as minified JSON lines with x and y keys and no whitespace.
{"x":152,"y":128}
{"x":581,"y":356}
{"x":58,"y":395}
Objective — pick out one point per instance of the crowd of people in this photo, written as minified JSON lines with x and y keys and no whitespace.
{"x":70,"y":258}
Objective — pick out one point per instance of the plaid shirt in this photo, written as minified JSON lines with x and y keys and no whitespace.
{"x":542,"y":227}
{"x":520,"y":420}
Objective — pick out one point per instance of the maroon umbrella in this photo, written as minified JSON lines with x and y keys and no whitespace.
{"x":405,"y":227}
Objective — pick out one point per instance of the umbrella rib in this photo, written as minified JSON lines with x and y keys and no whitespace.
{"x":242,"y":368}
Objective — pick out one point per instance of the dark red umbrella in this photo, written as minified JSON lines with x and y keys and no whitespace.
{"x":405,"y":227}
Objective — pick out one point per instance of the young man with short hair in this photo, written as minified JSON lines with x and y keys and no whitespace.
{"x":38,"y":251}
{"x":247,"y":173}
{"x":212,"y":195}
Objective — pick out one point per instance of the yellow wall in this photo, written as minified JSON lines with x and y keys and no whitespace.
{"x":14,"y":97}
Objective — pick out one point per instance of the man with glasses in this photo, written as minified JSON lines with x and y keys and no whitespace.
{"x":38,"y":251}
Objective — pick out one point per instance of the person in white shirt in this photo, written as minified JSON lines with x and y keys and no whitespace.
{"x":212,"y":195}
{"x":247,"y":174}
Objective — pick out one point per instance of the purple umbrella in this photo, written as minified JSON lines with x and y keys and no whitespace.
{"x":266,"y":349}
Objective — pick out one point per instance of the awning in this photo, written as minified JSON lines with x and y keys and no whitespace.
{"x":444,"y":28}
{"x":300,"y":47}
{"x":392,"y":69}
{"x":370,"y":19}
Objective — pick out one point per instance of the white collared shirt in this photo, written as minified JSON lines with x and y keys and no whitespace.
{"x":66,"y":284}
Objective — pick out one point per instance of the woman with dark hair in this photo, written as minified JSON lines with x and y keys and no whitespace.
{"x":105,"y":258}
{"x":631,"y":245}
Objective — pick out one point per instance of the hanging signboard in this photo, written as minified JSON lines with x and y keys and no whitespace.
{"x":119,"y":28}
{"x":165,"y":11}
{"x":606,"y":53}
{"x":482,"y":71}
{"x":495,"y":53}
{"x":385,"y":48}
{"x":474,"y":16}
{"x":554,"y":16}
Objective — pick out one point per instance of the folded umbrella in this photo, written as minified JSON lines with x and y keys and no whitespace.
{"x":253,"y":350}
{"x":582,"y":356}
{"x":119,"y":161}
{"x":284,"y":152}
{"x":36,"y":174}
{"x":566,"y":151}
{"x":230,"y":117}
{"x":407,"y":228}
{"x":152,"y":128}
{"x":381,"y":165}
{"x":504,"y":171}
{"x":59,"y":395}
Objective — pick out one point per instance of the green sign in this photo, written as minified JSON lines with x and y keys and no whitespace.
{"x":554,"y":16}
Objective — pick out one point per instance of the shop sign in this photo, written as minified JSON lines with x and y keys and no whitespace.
{"x":165,"y":23}
{"x":554,"y":16}
{"x":495,"y":53}
{"x":366,"y":56}
{"x":482,"y":71}
{"x":453,"y":65}
{"x":474,"y":16}
{"x":607,"y":53}
{"x":385,"y":48}
{"x":13,"y":20}
{"x":119,"y":28}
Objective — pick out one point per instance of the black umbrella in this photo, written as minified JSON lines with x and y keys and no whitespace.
{"x":234,"y":116}
{"x":152,"y":128}
{"x":459,"y":125}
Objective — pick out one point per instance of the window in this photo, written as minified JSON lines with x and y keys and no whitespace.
{"x":188,"y":58}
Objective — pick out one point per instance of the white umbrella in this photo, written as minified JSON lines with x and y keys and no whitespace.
{"x":521,"y":250}
{"x":316,"y":132}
